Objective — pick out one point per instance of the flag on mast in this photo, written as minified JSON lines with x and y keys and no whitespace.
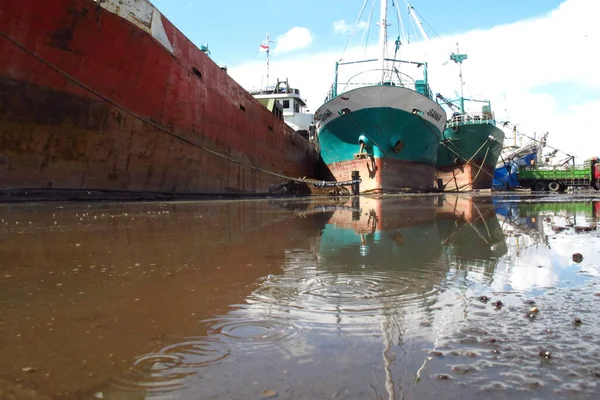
{"x":264,"y":47}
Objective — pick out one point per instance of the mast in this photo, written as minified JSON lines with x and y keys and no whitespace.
{"x":412,"y":12}
{"x":268,"y":49}
{"x":462,"y":84}
{"x":459,"y":58}
{"x":383,"y":36}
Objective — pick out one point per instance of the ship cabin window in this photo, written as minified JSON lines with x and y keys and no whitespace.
{"x":296,"y":107}
{"x":286,"y":104}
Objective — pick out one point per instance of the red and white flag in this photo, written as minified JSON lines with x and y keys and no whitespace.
{"x":264,"y":47}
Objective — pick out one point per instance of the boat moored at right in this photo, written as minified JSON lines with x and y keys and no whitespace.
{"x":471,"y":143}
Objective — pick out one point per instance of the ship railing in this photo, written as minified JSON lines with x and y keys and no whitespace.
{"x":373,"y":77}
{"x":472,"y":118}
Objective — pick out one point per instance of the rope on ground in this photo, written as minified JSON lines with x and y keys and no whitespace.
{"x":168,"y":132}
{"x":325,"y":184}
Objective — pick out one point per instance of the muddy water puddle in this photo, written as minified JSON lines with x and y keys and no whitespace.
{"x":395,"y":297}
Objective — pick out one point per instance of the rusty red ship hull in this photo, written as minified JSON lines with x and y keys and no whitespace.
{"x":111,"y":96}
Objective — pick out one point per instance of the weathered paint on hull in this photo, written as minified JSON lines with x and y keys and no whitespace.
{"x":385,"y":175}
{"x":95,"y":99}
{"x":409,"y":166}
{"x":471,"y":177}
{"x":476,"y":154}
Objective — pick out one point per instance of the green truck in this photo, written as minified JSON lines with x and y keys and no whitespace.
{"x":557,"y":179}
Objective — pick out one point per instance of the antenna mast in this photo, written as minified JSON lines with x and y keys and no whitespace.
{"x":383,"y":36}
{"x":267,"y":48}
{"x":459,"y":58}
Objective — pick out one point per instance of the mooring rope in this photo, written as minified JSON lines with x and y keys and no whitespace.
{"x":464,"y":158}
{"x":313,"y":182}
{"x":479,"y":169}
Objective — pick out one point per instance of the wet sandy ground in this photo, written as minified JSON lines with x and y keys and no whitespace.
{"x":318,"y":298}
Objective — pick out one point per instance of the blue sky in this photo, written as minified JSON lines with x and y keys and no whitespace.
{"x":234,"y":31}
{"x":532,"y":58}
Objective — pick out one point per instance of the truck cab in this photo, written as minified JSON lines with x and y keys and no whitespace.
{"x":595,"y":164}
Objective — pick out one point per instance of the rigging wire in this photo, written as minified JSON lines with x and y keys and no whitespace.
{"x":400,"y":22}
{"x":400,"y":39}
{"x":414,"y":26}
{"x":368,"y":28}
{"x":354,"y":28}
{"x":426,"y":23}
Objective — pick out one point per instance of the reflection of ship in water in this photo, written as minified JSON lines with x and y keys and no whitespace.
{"x":381,"y":261}
{"x":529,"y":225}
{"x":407,"y":247}
{"x":466,"y":227}
{"x":542,"y":239}
{"x":399,"y":227}
{"x":473,"y":240}
{"x":360,"y":294}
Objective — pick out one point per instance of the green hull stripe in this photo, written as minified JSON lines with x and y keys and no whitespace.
{"x":467,"y":140}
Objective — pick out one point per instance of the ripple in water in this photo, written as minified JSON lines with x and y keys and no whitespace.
{"x":198,"y":353}
{"x":244,"y":330}
{"x":164,"y":372}
{"x":353,"y":299}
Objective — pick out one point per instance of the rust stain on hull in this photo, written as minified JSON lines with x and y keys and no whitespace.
{"x":467,"y":178}
{"x":119,"y":111}
{"x":385,"y":175}
{"x":62,"y":37}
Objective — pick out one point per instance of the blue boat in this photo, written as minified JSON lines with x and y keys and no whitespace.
{"x":506,"y":175}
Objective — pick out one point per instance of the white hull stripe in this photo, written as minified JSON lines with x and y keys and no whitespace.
{"x":382,"y":96}
{"x":142,"y":14}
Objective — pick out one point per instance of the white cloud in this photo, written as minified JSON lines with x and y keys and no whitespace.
{"x":294,"y":39}
{"x":507,"y":64}
{"x":344,"y":27}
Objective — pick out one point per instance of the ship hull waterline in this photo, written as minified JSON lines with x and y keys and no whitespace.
{"x":111,"y":96}
{"x":400,"y":146}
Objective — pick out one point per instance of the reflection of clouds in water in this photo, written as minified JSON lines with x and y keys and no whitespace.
{"x":523,"y":273}
{"x":520,"y":268}
{"x":588,"y":244}
{"x":529,"y":276}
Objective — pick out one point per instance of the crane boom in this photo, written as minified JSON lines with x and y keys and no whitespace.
{"x":447,"y":102}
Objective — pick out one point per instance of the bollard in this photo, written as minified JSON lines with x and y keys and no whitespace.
{"x":356,"y":185}
{"x":440,"y":201}
{"x":356,"y":211}
{"x":440,"y":185}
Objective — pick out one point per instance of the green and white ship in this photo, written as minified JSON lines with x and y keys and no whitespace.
{"x":471,"y":143}
{"x":381,"y":122}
